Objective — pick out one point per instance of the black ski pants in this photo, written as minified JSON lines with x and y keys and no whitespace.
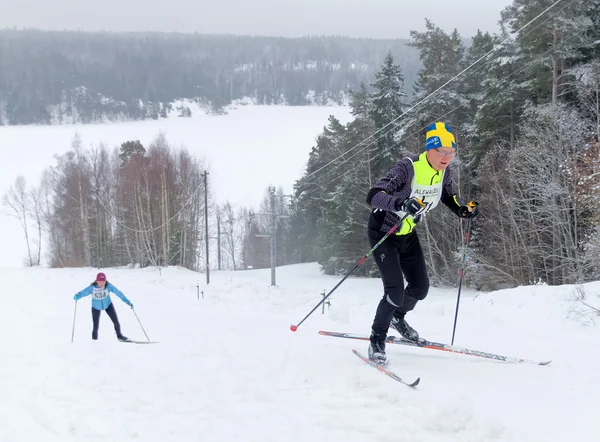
{"x":112,"y":314}
{"x":399,"y":255}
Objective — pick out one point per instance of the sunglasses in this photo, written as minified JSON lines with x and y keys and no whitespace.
{"x":445,"y":153}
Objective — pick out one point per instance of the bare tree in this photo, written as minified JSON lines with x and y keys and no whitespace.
{"x":232,"y":233}
{"x":18,"y":200}
{"x":534,"y":220}
{"x":81,"y":171}
{"x":102,"y":179}
{"x":36,"y":212}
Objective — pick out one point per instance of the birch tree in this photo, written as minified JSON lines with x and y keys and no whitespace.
{"x":18,"y":201}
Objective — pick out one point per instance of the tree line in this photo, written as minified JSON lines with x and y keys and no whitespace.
{"x":138,"y":206}
{"x":57,"y":77}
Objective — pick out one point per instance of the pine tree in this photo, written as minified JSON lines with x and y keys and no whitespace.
{"x":308,"y":207}
{"x":388,"y":105}
{"x":591,"y":50}
{"x":504,"y":100}
{"x":342,"y":232}
{"x":552,"y":44}
{"x":360,"y":102}
{"x":442,"y":58}
{"x":472,"y":88}
{"x":130,"y":149}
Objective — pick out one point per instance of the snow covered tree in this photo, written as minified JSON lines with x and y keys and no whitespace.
{"x":553,"y":43}
{"x":442,"y":58}
{"x":535,"y":219}
{"x":388,"y":103}
{"x":587,"y":91}
{"x":308,"y":205}
{"x":342,"y":229}
{"x":360,"y":102}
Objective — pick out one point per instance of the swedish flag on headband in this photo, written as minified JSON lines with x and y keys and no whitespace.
{"x":439,"y":135}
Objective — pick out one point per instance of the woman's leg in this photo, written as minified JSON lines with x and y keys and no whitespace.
{"x":96,"y":322}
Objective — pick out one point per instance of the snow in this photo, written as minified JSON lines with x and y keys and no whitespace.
{"x":247,"y":150}
{"x":227,"y":368}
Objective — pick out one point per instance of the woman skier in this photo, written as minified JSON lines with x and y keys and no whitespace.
{"x":101,"y":300}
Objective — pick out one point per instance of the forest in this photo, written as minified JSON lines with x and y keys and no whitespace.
{"x":52,"y":77}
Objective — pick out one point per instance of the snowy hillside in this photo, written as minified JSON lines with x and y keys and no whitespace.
{"x":227,"y":368}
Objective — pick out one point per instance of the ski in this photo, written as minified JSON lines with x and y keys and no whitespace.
{"x":382,"y":368}
{"x":423,"y":343}
{"x":130,"y":341}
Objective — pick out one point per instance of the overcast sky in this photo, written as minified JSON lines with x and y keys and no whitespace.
{"x":290,"y":18}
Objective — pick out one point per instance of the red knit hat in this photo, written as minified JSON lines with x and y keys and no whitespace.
{"x":101,"y":277}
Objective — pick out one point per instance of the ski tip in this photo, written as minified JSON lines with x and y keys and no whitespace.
{"x":415,"y":383}
{"x":545,"y":363}
{"x":293,"y":327}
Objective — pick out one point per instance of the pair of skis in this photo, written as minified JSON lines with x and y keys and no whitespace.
{"x":423,"y":343}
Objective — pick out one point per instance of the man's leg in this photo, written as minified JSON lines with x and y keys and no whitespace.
{"x":388,"y":261}
{"x":414,"y":268}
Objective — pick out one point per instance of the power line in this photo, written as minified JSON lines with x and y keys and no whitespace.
{"x":428,"y":97}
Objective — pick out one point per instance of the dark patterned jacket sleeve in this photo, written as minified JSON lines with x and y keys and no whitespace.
{"x":449,"y":197}
{"x":384,"y":195}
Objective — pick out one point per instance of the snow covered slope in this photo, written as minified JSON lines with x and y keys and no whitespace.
{"x":227,"y":368}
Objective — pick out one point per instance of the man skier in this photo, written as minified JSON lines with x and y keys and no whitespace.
{"x":414,"y":186}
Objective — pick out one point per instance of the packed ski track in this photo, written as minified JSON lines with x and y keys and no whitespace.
{"x":227,"y":367}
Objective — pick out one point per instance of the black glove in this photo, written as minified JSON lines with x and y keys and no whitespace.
{"x":412,"y":206}
{"x":464,"y":212}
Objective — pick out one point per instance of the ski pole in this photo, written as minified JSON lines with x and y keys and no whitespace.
{"x":138,"y":319}
{"x":74,"y":316}
{"x":357,"y":265}
{"x":462,"y":269}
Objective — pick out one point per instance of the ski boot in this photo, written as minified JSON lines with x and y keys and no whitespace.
{"x":406,"y":331}
{"x":377,"y":348}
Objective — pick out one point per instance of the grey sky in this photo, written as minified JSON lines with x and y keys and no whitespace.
{"x":290,"y":18}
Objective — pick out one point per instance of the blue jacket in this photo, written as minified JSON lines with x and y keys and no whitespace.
{"x":101,"y":297}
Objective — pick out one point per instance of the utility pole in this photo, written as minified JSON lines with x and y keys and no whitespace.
{"x":272,"y":235}
{"x":206,"y":224}
{"x":273,"y":238}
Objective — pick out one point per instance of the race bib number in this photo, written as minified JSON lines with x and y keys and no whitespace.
{"x":430,"y":195}
{"x":99,"y":293}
